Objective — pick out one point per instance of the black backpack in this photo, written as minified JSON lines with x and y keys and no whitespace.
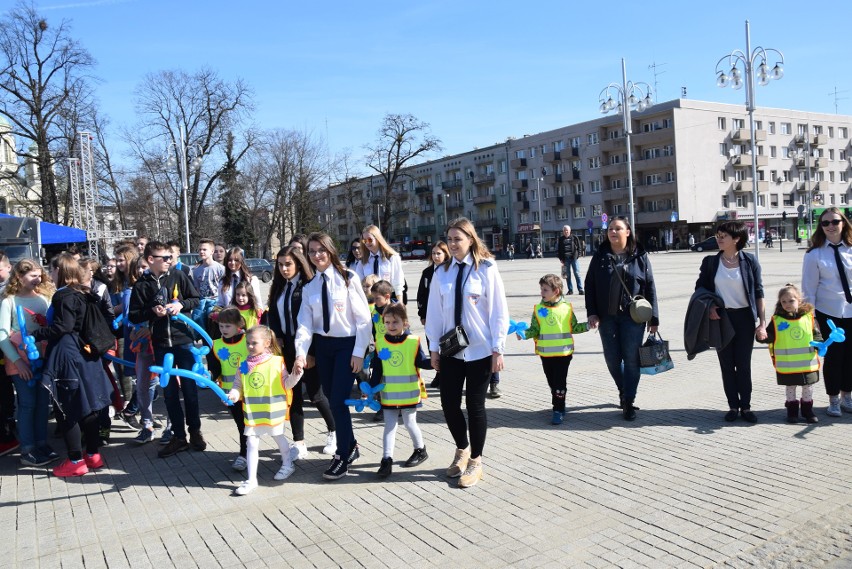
{"x":96,"y":335}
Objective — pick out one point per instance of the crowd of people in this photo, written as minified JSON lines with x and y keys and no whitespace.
{"x":330,"y":321}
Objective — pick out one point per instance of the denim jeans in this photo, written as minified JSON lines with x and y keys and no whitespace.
{"x":172,"y":392}
{"x":621,"y":338}
{"x":569,"y":265}
{"x":32,"y":413}
{"x":145,"y":388}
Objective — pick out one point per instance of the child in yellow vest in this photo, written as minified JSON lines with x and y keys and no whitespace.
{"x":265,"y":388}
{"x":247,"y":304}
{"x":380,"y":294}
{"x":553,"y":326}
{"x":398,"y":357}
{"x":230,"y":349}
{"x":796,"y":363}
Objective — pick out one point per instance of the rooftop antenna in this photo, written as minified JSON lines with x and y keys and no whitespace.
{"x":835,"y":94}
{"x":653,"y":67}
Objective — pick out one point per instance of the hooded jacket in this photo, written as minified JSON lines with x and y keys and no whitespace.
{"x":150,"y":291}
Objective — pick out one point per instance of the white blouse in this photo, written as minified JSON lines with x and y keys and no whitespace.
{"x":389,"y":270}
{"x":821,"y":284}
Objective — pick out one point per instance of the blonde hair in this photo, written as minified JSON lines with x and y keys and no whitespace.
{"x":793,"y":291}
{"x":267,"y":333}
{"x":368,"y":282}
{"x":478,"y":250}
{"x":45,"y":288}
{"x":385,"y":250}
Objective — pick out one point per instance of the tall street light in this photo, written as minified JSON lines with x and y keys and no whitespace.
{"x":540,"y":220}
{"x":182,"y":158}
{"x":749,"y":59}
{"x":624,"y":98}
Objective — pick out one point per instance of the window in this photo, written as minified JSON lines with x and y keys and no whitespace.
{"x":741,"y":201}
{"x":841,"y":155}
{"x":562,"y":213}
{"x":544,"y":148}
{"x":558,"y":145}
{"x":773,"y":200}
{"x":844,"y":177}
{"x":831,"y":132}
{"x":502,"y":166}
{"x":739,"y":175}
{"x":785,"y":128}
{"x":724,"y":177}
{"x":595,"y":163}
{"x":788,"y":199}
{"x":595,"y":186}
{"x":758,"y":125}
{"x":831,"y":154}
{"x":843,"y":132}
{"x":832,"y":198}
{"x":597,"y":210}
{"x":725,"y":202}
{"x":843,"y":200}
{"x":669,"y":177}
{"x":579,"y":212}
{"x":547,"y":214}
{"x":720,"y":121}
{"x":738,"y":123}
{"x":667,"y":123}
{"x":575,"y":142}
{"x":532,"y":152}
{"x":619,"y":209}
{"x":773,"y":175}
{"x":578,"y":188}
{"x":760,"y":150}
{"x":505,"y":211}
{"x":802,"y":128}
{"x":771,"y":127}
{"x":502,"y":189}
{"x":520,"y":154}
{"x":785,"y":152}
{"x":817,"y":129}
{"x":653,"y":180}
{"x":615,"y":184}
{"x":723,"y":149}
{"x":787,"y":175}
{"x":761,"y":200}
{"x":593,"y":138}
{"x":831,"y":176}
{"x":535,"y":216}
{"x":469,"y":194}
{"x":773,"y":152}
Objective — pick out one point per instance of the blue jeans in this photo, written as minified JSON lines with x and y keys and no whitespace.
{"x":621,"y":338}
{"x":172,"y":392}
{"x":334,"y":357}
{"x":145,"y":388}
{"x":32,"y":414}
{"x":569,"y":265}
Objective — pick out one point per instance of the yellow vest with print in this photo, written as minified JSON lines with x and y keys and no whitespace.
{"x":400,"y":376}
{"x":554,"y":330}
{"x":231,"y":356}
{"x":250,"y":317}
{"x":378,"y":322}
{"x":264,"y":396}
{"x":792,"y":352}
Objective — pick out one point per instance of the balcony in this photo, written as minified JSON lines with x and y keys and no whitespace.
{"x":617,"y":169}
{"x":484,"y":179}
{"x":553,"y":179}
{"x":653,"y":136}
{"x":554,"y":156}
{"x":745,"y":161}
{"x":611,"y":144}
{"x":427,"y":208}
{"x":744,"y":135}
{"x":450,"y":184}
{"x":653,"y":217}
{"x":801,"y":162}
{"x":655,"y":190}
{"x":451,"y":205}
{"x":426,"y":229}
{"x":819,"y":140}
{"x":425,"y":189}
{"x":618,"y":194}
{"x":559,"y":201}
{"x":653,"y":163}
{"x":518,"y":163}
{"x":820,"y":163}
{"x":485,"y":223}
{"x":745,"y":186}
{"x":486,"y":199}
{"x":575,"y":174}
{"x":520,"y":184}
{"x":524,"y":205}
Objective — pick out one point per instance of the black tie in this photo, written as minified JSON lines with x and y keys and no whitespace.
{"x":288,"y":317}
{"x":326,"y":316}
{"x":459,"y":300}
{"x":376,"y":265}
{"x":841,"y":268}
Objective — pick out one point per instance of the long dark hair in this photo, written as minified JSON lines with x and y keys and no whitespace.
{"x":306,"y":272}
{"x":243,"y":273}
{"x":327,"y":242}
{"x":818,"y":239}
{"x":630,"y":248}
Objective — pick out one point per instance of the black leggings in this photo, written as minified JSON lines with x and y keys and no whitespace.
{"x":556,"y":372}
{"x":312,"y":382}
{"x":240,"y":419}
{"x":88,"y":427}
{"x":838,"y":358}
{"x":477,"y":373}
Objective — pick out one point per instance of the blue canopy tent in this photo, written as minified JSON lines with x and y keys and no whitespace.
{"x":53,"y":234}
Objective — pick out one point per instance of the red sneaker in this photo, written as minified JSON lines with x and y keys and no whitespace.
{"x":69,"y":468}
{"x":94,"y":461}
{"x":9,"y":446}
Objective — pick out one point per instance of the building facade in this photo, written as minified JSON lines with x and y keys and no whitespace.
{"x":691,"y":164}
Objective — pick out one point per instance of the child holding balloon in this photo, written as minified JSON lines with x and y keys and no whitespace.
{"x":265,"y":389}
{"x":553,"y":326}
{"x":29,"y":288}
{"x":231,"y":351}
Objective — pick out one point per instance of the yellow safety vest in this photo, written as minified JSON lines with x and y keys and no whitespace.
{"x":264,"y":396}
{"x":792,"y":352}
{"x":250,"y":317}
{"x":231,"y":356}
{"x":400,"y":376}
{"x":554,"y":330}
{"x":378,"y":322}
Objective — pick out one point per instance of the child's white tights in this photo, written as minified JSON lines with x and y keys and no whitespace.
{"x":253,"y":453}
{"x":409,"y":419}
{"x":807,"y":392}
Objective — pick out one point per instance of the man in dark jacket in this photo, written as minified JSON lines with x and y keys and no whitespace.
{"x":157,"y":296}
{"x":568,"y":249}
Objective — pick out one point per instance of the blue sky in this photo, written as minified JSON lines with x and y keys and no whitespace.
{"x":478,"y":72}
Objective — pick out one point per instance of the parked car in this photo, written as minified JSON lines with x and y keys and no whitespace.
{"x":708,"y":244}
{"x":190,"y":259}
{"x":261,"y":268}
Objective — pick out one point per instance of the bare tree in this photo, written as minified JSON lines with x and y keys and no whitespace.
{"x":352,"y":189}
{"x":400,"y":140}
{"x":207,"y":108}
{"x":45,"y":67}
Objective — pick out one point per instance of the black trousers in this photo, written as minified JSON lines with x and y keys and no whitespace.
{"x":7,"y":407}
{"x":476,"y":374}
{"x":88,"y":427}
{"x":239,"y":416}
{"x":312,"y":384}
{"x":556,"y":372}
{"x":735,"y":359}
{"x":837,"y":362}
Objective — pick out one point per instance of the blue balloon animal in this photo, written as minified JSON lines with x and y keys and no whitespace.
{"x":837,"y":335}
{"x":370,"y":401}
{"x":167,"y":370}
{"x":28,"y":345}
{"x":518,"y":328}
{"x":195,"y":326}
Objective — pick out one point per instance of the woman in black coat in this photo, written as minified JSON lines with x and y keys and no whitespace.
{"x":285,"y":298}
{"x":440,"y":253}
{"x":81,"y":387}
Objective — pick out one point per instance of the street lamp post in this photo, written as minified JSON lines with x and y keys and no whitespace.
{"x":540,"y":220}
{"x":628,"y":96}
{"x":183,"y":156}
{"x":734,"y":78}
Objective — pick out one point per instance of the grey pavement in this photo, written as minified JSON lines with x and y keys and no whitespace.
{"x":678,"y":487}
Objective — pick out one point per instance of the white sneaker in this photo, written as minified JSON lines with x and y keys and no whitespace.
{"x":833,"y":407}
{"x":299,"y":451}
{"x":286,"y":470}
{"x":239,"y":464}
{"x":846,"y":403}
{"x":245,"y":488}
{"x":330,"y":443}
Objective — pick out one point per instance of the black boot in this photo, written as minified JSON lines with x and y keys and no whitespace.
{"x":808,"y":411}
{"x":793,"y":411}
{"x":628,"y":410}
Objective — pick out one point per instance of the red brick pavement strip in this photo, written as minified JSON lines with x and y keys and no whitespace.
{"x":678,"y":487}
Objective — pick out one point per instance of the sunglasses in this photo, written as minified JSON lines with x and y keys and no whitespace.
{"x":166,"y":258}
{"x":834,"y":222}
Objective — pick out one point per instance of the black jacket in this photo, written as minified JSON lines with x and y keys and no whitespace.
{"x":750,"y":273}
{"x":637,"y":276}
{"x":699,"y":332}
{"x":274,"y":318}
{"x":423,"y":290}
{"x":149,"y":291}
{"x":67,"y":308}
{"x":568,"y":248}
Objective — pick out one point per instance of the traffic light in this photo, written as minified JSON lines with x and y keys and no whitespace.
{"x":784,"y":215}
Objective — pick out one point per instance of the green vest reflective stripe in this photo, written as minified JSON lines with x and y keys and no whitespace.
{"x":378,"y":322}
{"x":792,"y":352}
{"x":554,"y":330}
{"x":236,"y":354}
{"x":264,"y":396}
{"x":400,"y":375}
{"x":250,"y":316}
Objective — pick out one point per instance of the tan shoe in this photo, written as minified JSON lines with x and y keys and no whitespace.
{"x":459,"y":462}
{"x":472,"y":474}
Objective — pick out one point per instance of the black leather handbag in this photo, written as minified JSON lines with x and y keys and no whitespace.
{"x":454,"y":341}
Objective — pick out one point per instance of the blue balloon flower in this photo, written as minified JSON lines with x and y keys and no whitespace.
{"x":783,"y":326}
{"x":224,"y":354}
{"x":543,"y":312}
{"x":376,"y":317}
{"x":244,"y":367}
{"x":384,"y":354}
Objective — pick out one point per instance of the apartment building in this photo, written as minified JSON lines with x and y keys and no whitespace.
{"x":691,"y":164}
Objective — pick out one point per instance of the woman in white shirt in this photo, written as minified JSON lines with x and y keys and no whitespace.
{"x":469,"y":281}
{"x":826,"y":277}
{"x":334,"y":318}
{"x":378,"y":258}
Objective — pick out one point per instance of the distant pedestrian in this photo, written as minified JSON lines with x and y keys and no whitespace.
{"x":567,"y":251}
{"x":511,"y":250}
